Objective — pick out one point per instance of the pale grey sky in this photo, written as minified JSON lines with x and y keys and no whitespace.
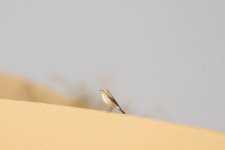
{"x":160,"y":58}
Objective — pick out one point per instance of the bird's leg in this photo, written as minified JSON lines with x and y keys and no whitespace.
{"x":110,"y":109}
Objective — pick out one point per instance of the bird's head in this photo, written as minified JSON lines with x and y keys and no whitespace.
{"x":104,"y":90}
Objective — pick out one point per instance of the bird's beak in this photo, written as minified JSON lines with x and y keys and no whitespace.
{"x":101,"y":90}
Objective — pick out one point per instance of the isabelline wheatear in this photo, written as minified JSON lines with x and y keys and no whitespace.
{"x":110,"y":100}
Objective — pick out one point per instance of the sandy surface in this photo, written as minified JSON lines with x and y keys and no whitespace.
{"x":38,"y":126}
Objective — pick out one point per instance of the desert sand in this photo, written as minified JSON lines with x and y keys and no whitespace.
{"x":38,"y":126}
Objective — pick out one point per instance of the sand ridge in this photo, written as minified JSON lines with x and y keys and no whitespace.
{"x":37,"y":126}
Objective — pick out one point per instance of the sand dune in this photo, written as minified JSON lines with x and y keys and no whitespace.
{"x":12,"y":87}
{"x":38,"y":126}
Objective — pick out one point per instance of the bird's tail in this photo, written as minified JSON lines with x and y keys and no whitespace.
{"x":122,"y":110}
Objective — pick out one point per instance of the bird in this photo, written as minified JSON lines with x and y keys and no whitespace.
{"x":110,"y":100}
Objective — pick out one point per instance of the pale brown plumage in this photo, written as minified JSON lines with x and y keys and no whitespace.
{"x":110,"y":100}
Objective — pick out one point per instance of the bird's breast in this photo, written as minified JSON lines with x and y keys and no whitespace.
{"x":108,"y":101}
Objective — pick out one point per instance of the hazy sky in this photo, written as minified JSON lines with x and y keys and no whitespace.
{"x":160,"y":58}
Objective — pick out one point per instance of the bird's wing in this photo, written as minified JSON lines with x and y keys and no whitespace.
{"x":113,"y":99}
